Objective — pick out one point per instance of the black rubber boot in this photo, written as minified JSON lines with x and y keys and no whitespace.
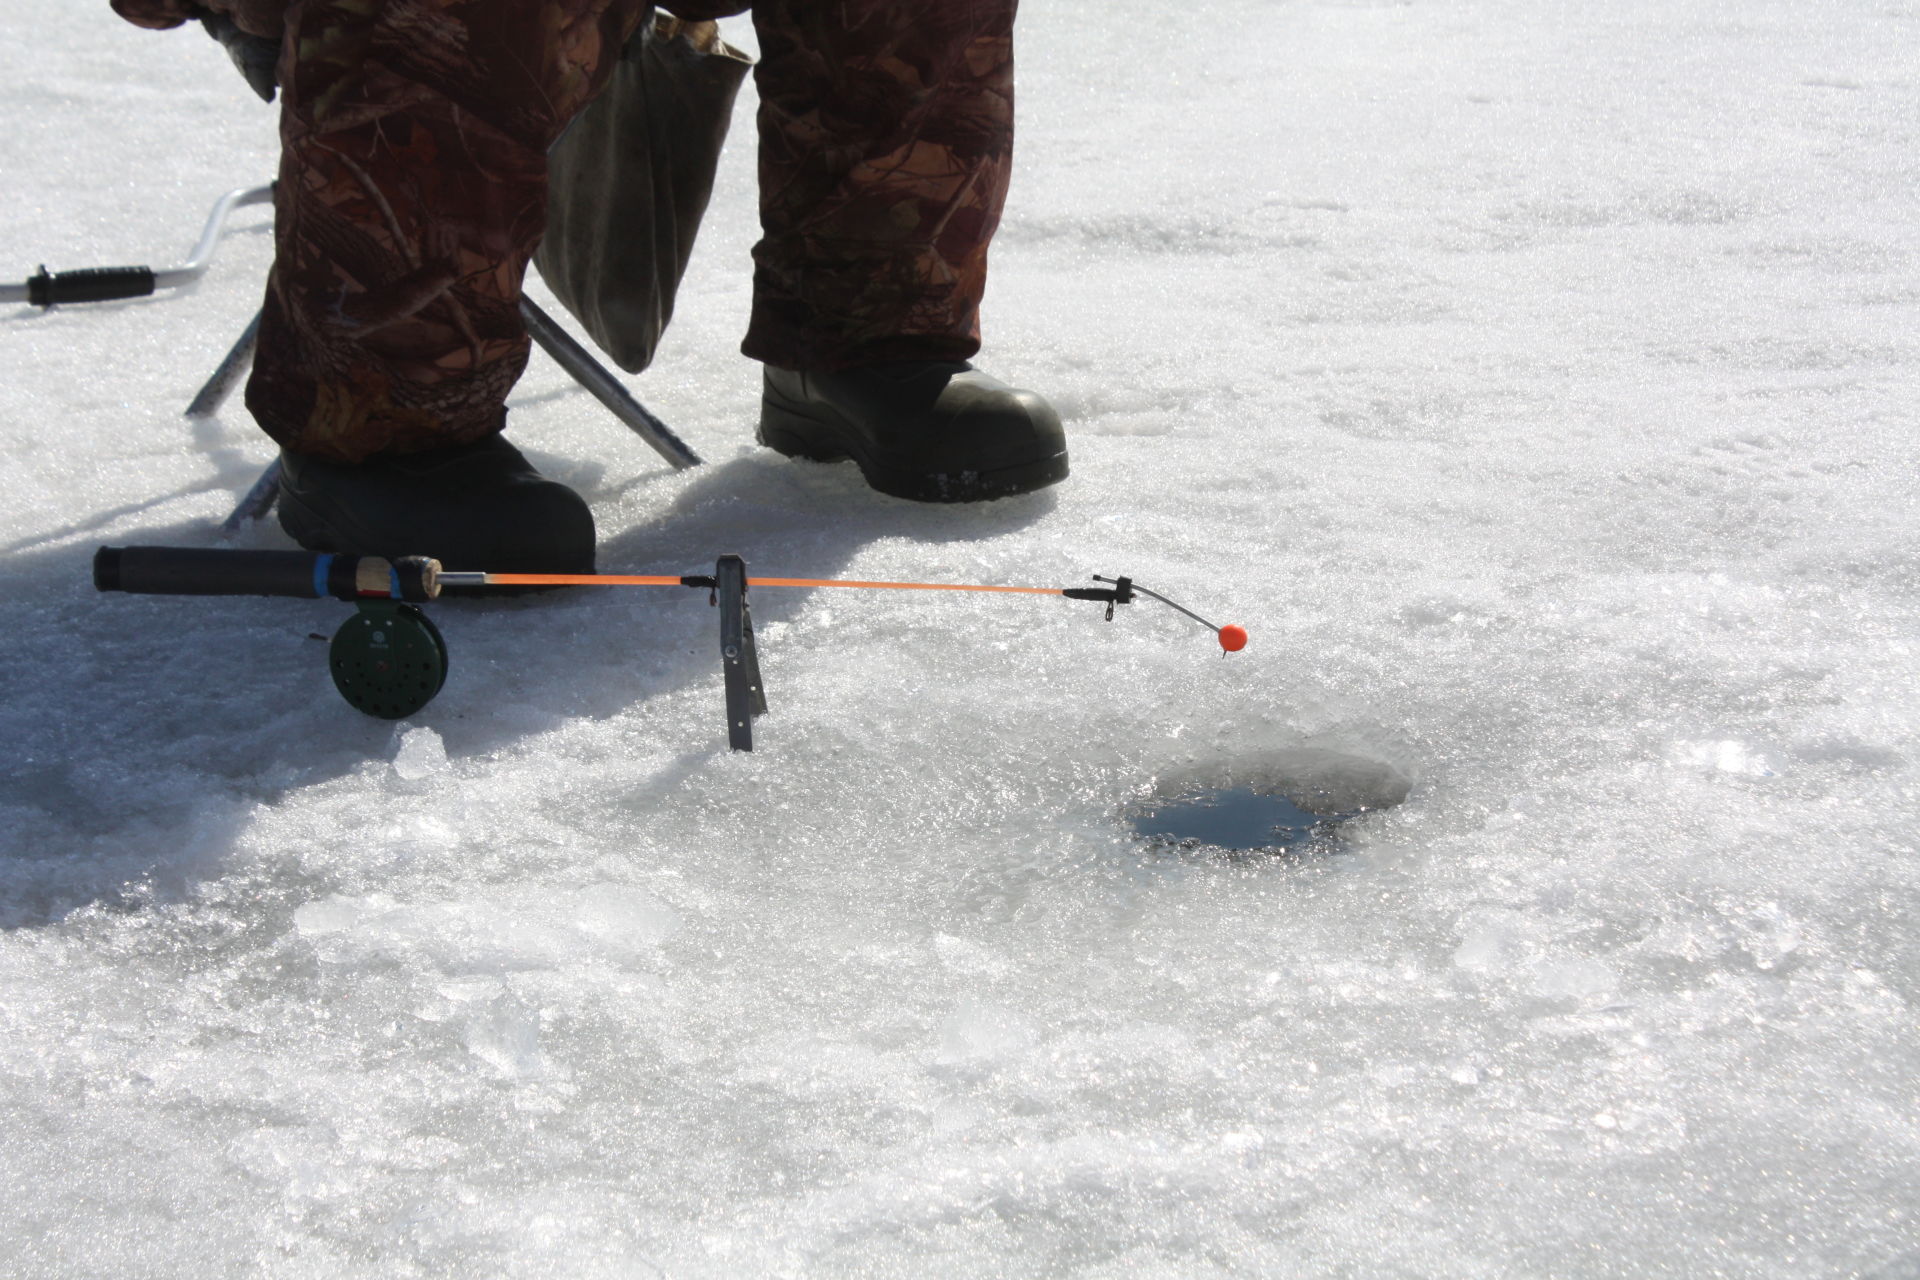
{"x":931,"y":431}
{"x":477,"y":506}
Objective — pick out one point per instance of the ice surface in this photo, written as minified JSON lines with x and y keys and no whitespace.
{"x":1536,"y":383}
{"x":419,"y":753}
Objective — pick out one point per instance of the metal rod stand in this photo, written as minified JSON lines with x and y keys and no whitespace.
{"x":740,"y":661}
{"x":207,"y":401}
{"x":606,"y":388}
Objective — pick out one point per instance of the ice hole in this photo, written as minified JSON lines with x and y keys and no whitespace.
{"x":1287,"y":801}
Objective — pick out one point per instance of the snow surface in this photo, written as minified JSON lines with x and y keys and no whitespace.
{"x":1536,"y":383}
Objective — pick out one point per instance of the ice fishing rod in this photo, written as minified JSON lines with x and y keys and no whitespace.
{"x":389,"y":660}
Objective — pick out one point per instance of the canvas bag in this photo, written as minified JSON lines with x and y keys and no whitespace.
{"x":629,"y":182}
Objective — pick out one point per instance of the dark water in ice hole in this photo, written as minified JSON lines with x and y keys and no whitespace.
{"x":1238,"y":819}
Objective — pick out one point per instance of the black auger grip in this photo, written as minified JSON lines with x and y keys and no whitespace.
{"x":89,"y":284}
{"x":197,"y":571}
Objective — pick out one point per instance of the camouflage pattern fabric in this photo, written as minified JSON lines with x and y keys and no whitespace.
{"x":256,"y":17}
{"x":413,"y":183}
{"x":412,"y":192}
{"x":886,"y":142}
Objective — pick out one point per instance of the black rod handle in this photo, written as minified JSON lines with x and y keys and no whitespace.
{"x":199,"y":571}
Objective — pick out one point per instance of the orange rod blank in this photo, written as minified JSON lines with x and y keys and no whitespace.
{"x":897,"y":586}
{"x":651,"y":580}
{"x":581,"y":580}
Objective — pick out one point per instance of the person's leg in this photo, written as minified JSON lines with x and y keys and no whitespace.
{"x":886,"y":143}
{"x":412,"y":193}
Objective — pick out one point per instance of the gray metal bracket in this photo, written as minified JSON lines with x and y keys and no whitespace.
{"x":740,"y":661}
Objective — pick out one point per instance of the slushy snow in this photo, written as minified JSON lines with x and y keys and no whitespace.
{"x":1536,"y":384}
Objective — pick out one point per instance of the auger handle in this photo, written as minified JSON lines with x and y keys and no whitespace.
{"x":89,"y":284}
{"x":308,"y":575}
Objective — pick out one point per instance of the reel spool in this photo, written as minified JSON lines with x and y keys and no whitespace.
{"x":388,"y":659}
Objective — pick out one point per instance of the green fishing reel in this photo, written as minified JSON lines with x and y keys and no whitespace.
{"x":388,"y":659}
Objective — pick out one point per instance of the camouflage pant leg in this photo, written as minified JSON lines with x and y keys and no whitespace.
{"x":412,"y":193}
{"x":886,"y":138}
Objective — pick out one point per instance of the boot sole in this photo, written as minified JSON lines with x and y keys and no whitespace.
{"x":800,"y":435}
